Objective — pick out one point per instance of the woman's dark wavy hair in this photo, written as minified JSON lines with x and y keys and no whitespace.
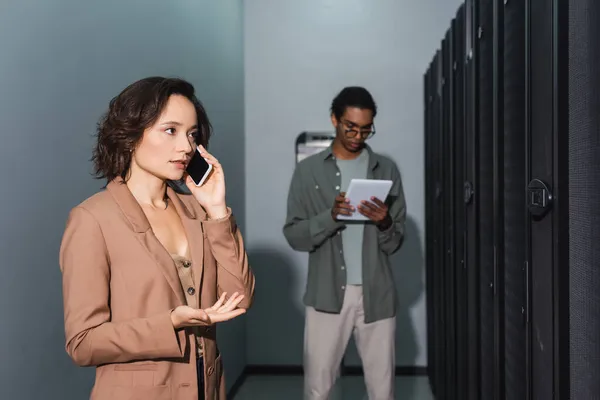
{"x":130,"y":113}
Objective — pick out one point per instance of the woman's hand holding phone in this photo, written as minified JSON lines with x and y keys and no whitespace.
{"x":211,"y":194}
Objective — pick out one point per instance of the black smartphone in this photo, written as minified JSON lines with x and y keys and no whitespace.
{"x":198,"y":169}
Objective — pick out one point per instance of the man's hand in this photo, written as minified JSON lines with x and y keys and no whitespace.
{"x":376,"y":211}
{"x":341,"y":206}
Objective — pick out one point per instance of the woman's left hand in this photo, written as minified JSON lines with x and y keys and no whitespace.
{"x":211,"y":195}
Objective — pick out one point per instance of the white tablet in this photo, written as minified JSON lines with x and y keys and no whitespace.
{"x":364,"y":189}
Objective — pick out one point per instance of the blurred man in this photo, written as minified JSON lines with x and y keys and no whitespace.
{"x":350,"y":287}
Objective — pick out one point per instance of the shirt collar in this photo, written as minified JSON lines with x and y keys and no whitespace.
{"x":373,"y":158}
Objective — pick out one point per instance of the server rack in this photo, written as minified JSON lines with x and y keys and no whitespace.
{"x":513,"y":193}
{"x":457,"y":182}
{"x":552,"y":236}
{"x":428,"y":225}
{"x":446,"y":170}
{"x":577,"y":166}
{"x":485,"y":189}
{"x":435,"y":266}
{"x":540,"y":150}
{"x":473,"y":33}
{"x":429,"y":124}
{"x":498,"y":204}
{"x":513,"y":197}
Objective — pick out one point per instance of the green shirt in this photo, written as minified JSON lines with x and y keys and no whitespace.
{"x":309,"y":227}
{"x":352,"y":235}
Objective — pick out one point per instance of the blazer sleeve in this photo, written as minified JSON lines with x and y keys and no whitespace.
{"x":91,"y":337}
{"x":227,"y":247}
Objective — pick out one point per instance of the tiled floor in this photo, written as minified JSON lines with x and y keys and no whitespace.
{"x":264,"y":387}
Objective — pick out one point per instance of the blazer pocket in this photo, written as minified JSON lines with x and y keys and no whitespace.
{"x":144,"y":393}
{"x":136,"y":367}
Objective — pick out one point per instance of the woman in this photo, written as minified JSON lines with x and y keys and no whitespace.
{"x":147,"y":271}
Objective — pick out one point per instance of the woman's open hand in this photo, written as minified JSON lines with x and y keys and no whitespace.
{"x":221,"y":311}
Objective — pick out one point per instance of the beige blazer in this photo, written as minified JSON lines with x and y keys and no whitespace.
{"x":120,"y":285}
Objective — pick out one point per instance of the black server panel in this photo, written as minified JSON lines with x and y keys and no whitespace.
{"x":513,"y":197}
{"x":470,"y":197}
{"x":512,"y":158}
{"x":581,"y":95}
{"x":485,"y":190}
{"x":457,"y":181}
{"x":446,"y":156}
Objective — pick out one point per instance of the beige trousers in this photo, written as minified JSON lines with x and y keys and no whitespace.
{"x":326,"y":337}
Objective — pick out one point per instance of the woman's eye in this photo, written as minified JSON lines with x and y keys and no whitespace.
{"x":170,"y":131}
{"x":192,"y":134}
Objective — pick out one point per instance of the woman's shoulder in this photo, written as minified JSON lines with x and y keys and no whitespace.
{"x":97,"y":204}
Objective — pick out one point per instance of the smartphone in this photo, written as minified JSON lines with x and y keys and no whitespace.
{"x":198,"y":169}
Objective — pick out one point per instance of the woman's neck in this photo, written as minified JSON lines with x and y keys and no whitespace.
{"x":148,"y":189}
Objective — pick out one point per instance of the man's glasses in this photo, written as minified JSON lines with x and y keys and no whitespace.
{"x":351,"y":131}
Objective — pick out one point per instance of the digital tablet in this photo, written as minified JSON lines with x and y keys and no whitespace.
{"x":364,"y":189}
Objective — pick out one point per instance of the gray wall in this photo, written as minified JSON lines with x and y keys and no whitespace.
{"x":299,"y":54}
{"x":60,"y":63}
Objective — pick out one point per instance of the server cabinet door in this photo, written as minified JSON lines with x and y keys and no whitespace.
{"x":430,"y":196}
{"x":471,"y":198}
{"x":540,"y":149}
{"x":448,"y":216}
{"x":485,"y":193}
{"x":582,"y":174}
{"x":513,"y":197}
{"x":437,"y":244}
{"x":427,"y":99}
{"x":460,"y":288}
{"x":498,"y":208}
{"x":583,"y":65}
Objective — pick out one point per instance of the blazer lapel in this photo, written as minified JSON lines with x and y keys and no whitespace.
{"x":193,"y":229}
{"x":144,"y":234}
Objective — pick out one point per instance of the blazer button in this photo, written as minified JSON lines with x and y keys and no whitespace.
{"x":210,"y":370}
{"x":186,"y":264}
{"x":191,"y":291}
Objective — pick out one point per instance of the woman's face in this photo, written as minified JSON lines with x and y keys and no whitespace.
{"x":167,"y":146}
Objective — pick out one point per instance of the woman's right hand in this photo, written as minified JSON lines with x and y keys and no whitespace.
{"x":221,"y":311}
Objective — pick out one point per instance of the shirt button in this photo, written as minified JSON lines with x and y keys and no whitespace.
{"x":337,"y":188}
{"x":337,"y":174}
{"x":191,"y":291}
{"x":316,"y":186}
{"x":343,"y":287}
{"x":343,"y":267}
